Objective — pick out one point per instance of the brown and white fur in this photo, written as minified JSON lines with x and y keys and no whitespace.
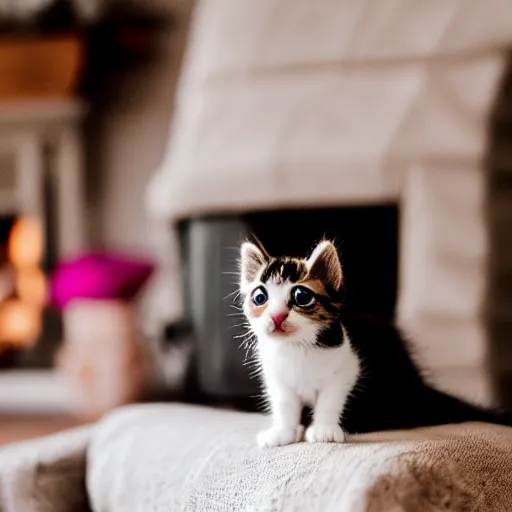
{"x":296,"y":373}
{"x":355,"y":374}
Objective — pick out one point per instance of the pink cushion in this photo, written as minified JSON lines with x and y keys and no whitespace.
{"x":99,"y":276}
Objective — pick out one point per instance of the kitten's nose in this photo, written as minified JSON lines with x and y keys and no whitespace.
{"x":279,"y":318}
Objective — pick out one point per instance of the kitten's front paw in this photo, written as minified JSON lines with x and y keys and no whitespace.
{"x":325,"y":434}
{"x":280,"y":436}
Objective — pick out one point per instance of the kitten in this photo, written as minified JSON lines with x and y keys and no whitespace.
{"x":355,"y":374}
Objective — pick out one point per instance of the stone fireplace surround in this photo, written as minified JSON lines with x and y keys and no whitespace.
{"x":296,"y":104}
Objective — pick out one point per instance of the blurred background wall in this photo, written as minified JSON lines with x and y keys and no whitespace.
{"x":128,"y":132}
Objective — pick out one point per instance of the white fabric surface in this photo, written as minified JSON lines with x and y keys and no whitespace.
{"x":45,"y":475}
{"x":174,"y":458}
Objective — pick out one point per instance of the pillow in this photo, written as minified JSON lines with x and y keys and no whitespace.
{"x":99,"y":276}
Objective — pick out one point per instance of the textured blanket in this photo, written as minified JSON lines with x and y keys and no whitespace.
{"x":179,"y":458}
{"x":45,"y":475}
{"x":172,"y":458}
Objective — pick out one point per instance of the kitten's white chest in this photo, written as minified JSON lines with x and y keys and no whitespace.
{"x":306,"y":371}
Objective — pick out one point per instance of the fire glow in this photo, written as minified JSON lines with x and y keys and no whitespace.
{"x":24,"y":286}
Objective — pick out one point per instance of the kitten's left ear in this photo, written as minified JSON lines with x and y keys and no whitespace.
{"x":324,"y":264}
{"x":253,"y":257}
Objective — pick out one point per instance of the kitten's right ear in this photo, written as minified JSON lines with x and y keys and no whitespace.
{"x":325,"y":265}
{"x":253,"y":258}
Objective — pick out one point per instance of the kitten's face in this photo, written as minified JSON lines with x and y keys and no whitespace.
{"x":291,"y":299}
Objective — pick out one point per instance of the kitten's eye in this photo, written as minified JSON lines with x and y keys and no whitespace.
{"x":259,"y":296}
{"x":303,"y":297}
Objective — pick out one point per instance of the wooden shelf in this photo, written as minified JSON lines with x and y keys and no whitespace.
{"x":41,"y":110}
{"x":20,"y":427}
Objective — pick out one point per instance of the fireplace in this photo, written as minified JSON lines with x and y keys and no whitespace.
{"x":367,"y":239}
{"x":25,"y":340}
{"x":41,"y":221}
